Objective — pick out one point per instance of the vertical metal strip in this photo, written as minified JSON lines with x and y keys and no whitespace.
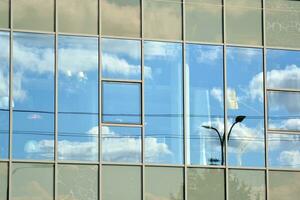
{"x":56,"y":99}
{"x":184,"y":98}
{"x":99,"y":104}
{"x":225,"y":99}
{"x":265,"y":98}
{"x":142,"y":100}
{"x":10,"y":101}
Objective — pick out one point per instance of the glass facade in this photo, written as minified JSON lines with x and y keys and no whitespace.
{"x":149,"y":99}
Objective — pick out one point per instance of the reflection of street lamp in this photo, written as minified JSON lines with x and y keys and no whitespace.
{"x":238,"y":119}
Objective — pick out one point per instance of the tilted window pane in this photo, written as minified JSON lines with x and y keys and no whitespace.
{"x":204,"y":75}
{"x":121,"y":102}
{"x":205,"y":184}
{"x":32,"y":181}
{"x":284,"y":150}
{"x":33,"y":96}
{"x":246,"y":185}
{"x":245,"y":106}
{"x":282,"y":23}
{"x":4,"y":13}
{"x":77,"y":79}
{"x":243,"y":25}
{"x":162,"y":19}
{"x":34,"y":14}
{"x":3,"y":181}
{"x":121,"y":182}
{"x":78,"y":182}
{"x":284,"y":185}
{"x":77,"y":16}
{"x":121,"y":59}
{"x":163,"y":183}
{"x":121,"y":144}
{"x":121,"y":18}
{"x":203,"y":22}
{"x":283,"y":69}
{"x":284,"y":110}
{"x":4,"y":134}
{"x":163,"y":103}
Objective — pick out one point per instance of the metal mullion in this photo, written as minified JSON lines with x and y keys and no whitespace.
{"x":34,"y":161}
{"x":120,"y":37}
{"x":164,"y":165}
{"x":56,"y":101}
{"x":204,"y":43}
{"x":77,"y":162}
{"x":282,"y":90}
{"x":5,"y":29}
{"x":282,"y":48}
{"x":280,"y":132}
{"x":225,"y":99}
{"x":284,"y":169}
{"x":99,"y":103}
{"x":77,"y":34}
{"x":143,"y":168}
{"x":206,"y":166}
{"x":10,"y":102}
{"x":247,"y":168}
{"x":121,"y":80}
{"x":34,"y":31}
{"x":121,"y":164}
{"x":245,"y":46}
{"x":121,"y":125}
{"x":265,"y":99}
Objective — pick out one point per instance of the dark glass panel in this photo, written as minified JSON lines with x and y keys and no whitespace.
{"x":163,"y":103}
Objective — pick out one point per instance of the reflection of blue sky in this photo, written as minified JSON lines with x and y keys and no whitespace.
{"x":121,"y":59}
{"x":204,"y":69}
{"x":244,"y":89}
{"x":163,"y":99}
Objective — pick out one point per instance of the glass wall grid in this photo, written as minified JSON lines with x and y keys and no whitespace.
{"x":281,"y":17}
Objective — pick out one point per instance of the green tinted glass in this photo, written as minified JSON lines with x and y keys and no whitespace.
{"x":3,"y":181}
{"x":4,"y":13}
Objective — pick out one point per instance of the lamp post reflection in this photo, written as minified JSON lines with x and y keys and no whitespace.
{"x":238,"y":119}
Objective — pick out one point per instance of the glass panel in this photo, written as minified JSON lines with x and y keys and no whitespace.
{"x":4,"y":134}
{"x":204,"y":71}
{"x":283,"y":69}
{"x":121,"y":102}
{"x":32,"y":181}
{"x":284,"y":110}
{"x":121,"y":144}
{"x":245,"y":3}
{"x":163,"y":103}
{"x":162,"y":19}
{"x":77,"y":79}
{"x":4,"y":14}
{"x":33,"y":92}
{"x":284,"y":150}
{"x":121,"y":182}
{"x":245,"y":106}
{"x":3,"y":181}
{"x":34,"y":15}
{"x":244,"y":25}
{"x":77,"y":16}
{"x":214,"y":2}
{"x":78,"y":182}
{"x":203,"y":22}
{"x":121,"y":59}
{"x":282,"y":23}
{"x":121,"y":18}
{"x":246,"y":185}
{"x":206,"y":184}
{"x":284,"y":185}
{"x":170,"y":185}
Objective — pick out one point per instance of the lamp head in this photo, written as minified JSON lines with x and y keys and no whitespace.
{"x":239,"y":118}
{"x":207,"y":127}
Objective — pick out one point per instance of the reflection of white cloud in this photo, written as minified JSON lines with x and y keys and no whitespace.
{"x":246,"y":54}
{"x":232,"y":99}
{"x":290,"y":124}
{"x":34,"y":116}
{"x":208,"y":55}
{"x":217,"y":93}
{"x":155,"y":50}
{"x":290,"y":158}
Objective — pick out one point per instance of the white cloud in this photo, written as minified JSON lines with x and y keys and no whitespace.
{"x":208,"y":55}
{"x":217,"y":93}
{"x":290,"y":158}
{"x":161,"y":49}
{"x":289,"y":77}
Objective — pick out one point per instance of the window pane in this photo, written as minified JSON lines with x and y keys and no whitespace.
{"x":121,"y":18}
{"x":170,"y":183}
{"x":282,"y":23}
{"x":32,"y":181}
{"x":4,"y":70}
{"x":246,"y":185}
{"x":33,"y":124}
{"x":4,"y":13}
{"x":77,"y":16}
{"x":204,"y":71}
{"x":77,"y":79}
{"x":284,"y":185}
{"x":245,"y":3}
{"x":283,"y":69}
{"x":245,"y":98}
{"x":284,"y":150}
{"x":162,"y":19}
{"x":163,"y":103}
{"x":78,"y":182}
{"x":121,"y":103}
{"x":3,"y":181}
{"x":4,"y":134}
{"x":206,"y":184}
{"x":203,"y":22}
{"x":34,"y":15}
{"x":284,"y":110}
{"x":121,"y":183}
{"x":244,"y":25}
{"x":121,"y":59}
{"x":121,"y":144}
{"x":213,"y":2}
